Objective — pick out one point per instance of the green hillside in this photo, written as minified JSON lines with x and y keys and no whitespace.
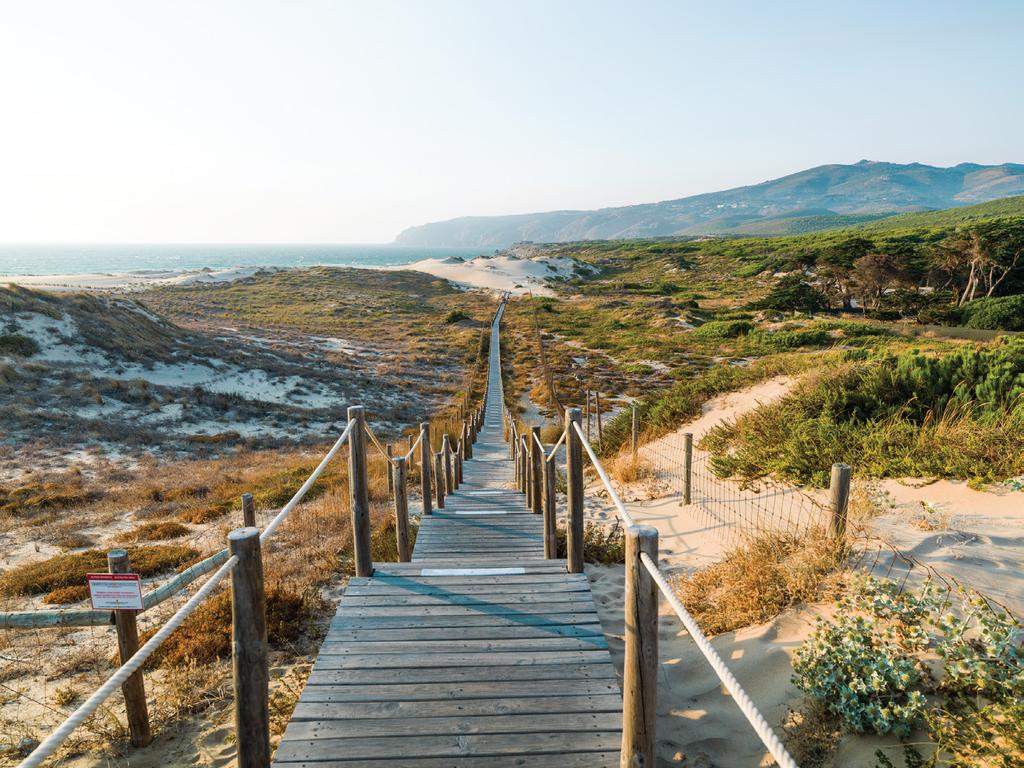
{"x":949,"y":217}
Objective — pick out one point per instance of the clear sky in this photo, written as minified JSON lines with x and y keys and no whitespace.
{"x":336,"y":121}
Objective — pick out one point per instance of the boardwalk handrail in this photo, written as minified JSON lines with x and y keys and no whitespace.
{"x":761,"y":727}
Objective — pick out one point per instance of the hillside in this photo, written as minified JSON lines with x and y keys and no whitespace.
{"x":824,"y":197}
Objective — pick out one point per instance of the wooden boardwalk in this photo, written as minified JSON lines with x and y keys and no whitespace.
{"x":477,"y":653}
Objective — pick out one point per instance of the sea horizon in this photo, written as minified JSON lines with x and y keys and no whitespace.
{"x":42,"y":259}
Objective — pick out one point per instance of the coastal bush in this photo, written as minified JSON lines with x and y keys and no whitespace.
{"x":892,"y":660}
{"x":456,"y":316}
{"x":1004,"y":313}
{"x":157,"y":531}
{"x":17,"y":345}
{"x":793,"y":294}
{"x":603,"y":544}
{"x":717,"y":330}
{"x":955,"y":415}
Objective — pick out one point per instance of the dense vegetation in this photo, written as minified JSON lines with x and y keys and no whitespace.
{"x":958,"y":414}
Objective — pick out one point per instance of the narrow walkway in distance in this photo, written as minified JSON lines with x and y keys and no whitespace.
{"x":478,"y":653}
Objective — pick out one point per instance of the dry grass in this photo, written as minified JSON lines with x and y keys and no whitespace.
{"x":758,"y":580}
{"x":157,"y":531}
{"x":812,"y":735}
{"x":627,"y":469}
{"x":69,"y":570}
{"x":604,"y":544}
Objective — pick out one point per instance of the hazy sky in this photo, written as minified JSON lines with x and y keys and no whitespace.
{"x":306,"y":121}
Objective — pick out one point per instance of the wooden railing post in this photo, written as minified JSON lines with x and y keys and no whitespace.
{"x":449,"y":480}
{"x":524,"y":457}
{"x":411,"y":453}
{"x":839,"y":500}
{"x":688,"y":468}
{"x":550,"y":546}
{"x":640,"y":661}
{"x":466,"y":440}
{"x":358,"y":492}
{"x":248,"y":511}
{"x":597,"y":407}
{"x":401,"y":511}
{"x":425,"y":466}
{"x":133,"y":688}
{"x":249,"y":650}
{"x":574,"y":490}
{"x":439,"y":479}
{"x":536,"y":478}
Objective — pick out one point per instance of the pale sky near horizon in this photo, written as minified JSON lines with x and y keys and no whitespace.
{"x":321,"y":121}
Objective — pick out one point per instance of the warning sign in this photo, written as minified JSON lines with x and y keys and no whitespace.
{"x":115,"y":591}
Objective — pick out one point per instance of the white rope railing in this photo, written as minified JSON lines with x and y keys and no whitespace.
{"x":52,"y":742}
{"x":377,"y":443}
{"x":412,"y":450}
{"x":557,"y":445}
{"x":764,"y":731}
{"x":761,"y":727}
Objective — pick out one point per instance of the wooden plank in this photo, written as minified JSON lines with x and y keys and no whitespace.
{"x":485,"y":689}
{"x":369,"y":646}
{"x":340,"y":730}
{"x":494,"y":659}
{"x":456,"y":622}
{"x":541,"y":705}
{"x":482,"y":600}
{"x":458,"y":674}
{"x":560,"y":760}
{"x":466,"y":745}
{"x":422,"y":634}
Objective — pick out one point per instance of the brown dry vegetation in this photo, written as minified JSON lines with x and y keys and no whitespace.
{"x":759,"y":579}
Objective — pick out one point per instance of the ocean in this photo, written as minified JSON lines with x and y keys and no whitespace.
{"x":68,"y":259}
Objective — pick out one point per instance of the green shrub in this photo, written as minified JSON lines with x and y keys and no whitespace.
{"x":717,"y":330}
{"x":792,"y":294}
{"x":19,"y":346}
{"x":456,"y":316}
{"x":1005,"y":313}
{"x":867,"y":665}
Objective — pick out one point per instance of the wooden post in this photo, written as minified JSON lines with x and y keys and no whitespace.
{"x":449,"y":481}
{"x":466,"y":440}
{"x":248,"y":511}
{"x":439,"y":479}
{"x":358,"y":492}
{"x":537,"y":479}
{"x":401,"y":511}
{"x":688,"y":468}
{"x":133,"y":688}
{"x":389,"y":452}
{"x":586,"y":414}
{"x":640,"y":662}
{"x":839,"y":499}
{"x":524,"y":457}
{"x":597,"y":407}
{"x":249,"y":650}
{"x":425,"y":466}
{"x":550,"y":546}
{"x":636,"y":431}
{"x":574,"y":490}
{"x":411,"y":453}
{"x":460,"y":459}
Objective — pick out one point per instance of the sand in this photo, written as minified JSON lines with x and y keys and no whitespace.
{"x":501,"y":273}
{"x":131,"y":281}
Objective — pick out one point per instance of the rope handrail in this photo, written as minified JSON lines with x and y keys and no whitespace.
{"x":536,"y":439}
{"x":626,"y":517}
{"x":554,"y":449}
{"x":377,"y":443}
{"x":412,"y":450}
{"x":49,"y":745}
{"x":764,"y":731}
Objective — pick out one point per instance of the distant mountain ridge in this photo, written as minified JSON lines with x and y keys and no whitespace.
{"x":824,"y":197}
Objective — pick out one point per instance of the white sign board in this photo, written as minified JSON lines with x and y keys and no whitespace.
{"x":115,"y":591}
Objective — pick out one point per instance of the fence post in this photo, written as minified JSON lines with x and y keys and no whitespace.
{"x":574,"y":490}
{"x":248,"y":511}
{"x":466,"y":440}
{"x":688,"y":468}
{"x":459,"y":448}
{"x":411,"y":452}
{"x":133,"y":688}
{"x":586,"y":414}
{"x":536,"y":458}
{"x":524,"y":457}
{"x":401,"y":511}
{"x":550,"y":547}
{"x":249,"y":650}
{"x":358,"y":492}
{"x":640,"y":662}
{"x":636,"y":431}
{"x":388,"y":451}
{"x":446,"y":449}
{"x":439,"y":479}
{"x":425,"y":466}
{"x":839,"y":499}
{"x":597,"y":407}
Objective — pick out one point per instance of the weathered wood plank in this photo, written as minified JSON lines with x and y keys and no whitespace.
{"x":458,"y":674}
{"x":486,"y":689}
{"x":540,"y":705}
{"x":559,"y":760}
